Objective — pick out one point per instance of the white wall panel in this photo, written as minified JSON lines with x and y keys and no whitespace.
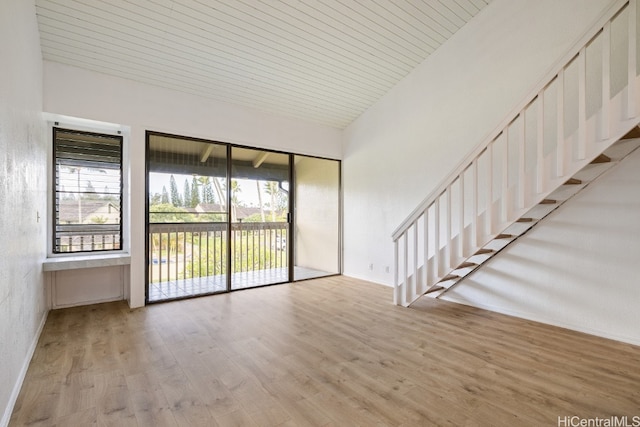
{"x":86,"y":94}
{"x":398,"y":151}
{"x":23,"y":306}
{"x":87,"y":286}
{"x":81,"y":93}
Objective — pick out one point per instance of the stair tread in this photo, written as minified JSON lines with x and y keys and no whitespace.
{"x":632,"y":134}
{"x":484,"y":251}
{"x":525,"y":220}
{"x":467,"y":264}
{"x":504,"y":236}
{"x":434,"y":289}
{"x":449,"y":277}
{"x":601,"y":159}
{"x":548,"y":202}
{"x":573,"y":181}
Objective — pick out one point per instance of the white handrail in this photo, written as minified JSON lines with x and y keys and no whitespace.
{"x":593,"y":30}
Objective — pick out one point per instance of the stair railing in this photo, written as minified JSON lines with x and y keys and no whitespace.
{"x":561,"y":126}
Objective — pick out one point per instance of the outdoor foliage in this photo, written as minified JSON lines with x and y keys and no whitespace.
{"x":188,"y":253}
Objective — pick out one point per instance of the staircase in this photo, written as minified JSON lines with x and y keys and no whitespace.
{"x":579,"y":121}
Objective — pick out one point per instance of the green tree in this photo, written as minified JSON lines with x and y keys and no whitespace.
{"x":271,"y":188}
{"x":98,"y":219}
{"x":210,"y":259}
{"x":164,"y":198}
{"x":220,"y":192}
{"x":186,"y":194}
{"x":175,"y":196}
{"x":195,"y":192}
{"x":155,"y":199}
{"x":235,"y":201}
{"x":260,"y":200}
{"x":207,"y":189}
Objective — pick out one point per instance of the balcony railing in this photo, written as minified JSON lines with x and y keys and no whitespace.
{"x":87,"y":237}
{"x":192,"y":250}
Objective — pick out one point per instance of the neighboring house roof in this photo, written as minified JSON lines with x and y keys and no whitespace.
{"x":68,"y":210}
{"x":210,"y":208}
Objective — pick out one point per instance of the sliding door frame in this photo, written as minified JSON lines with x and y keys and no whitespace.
{"x":290,"y":217}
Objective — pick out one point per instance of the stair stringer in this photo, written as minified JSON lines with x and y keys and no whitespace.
{"x":633,"y":146}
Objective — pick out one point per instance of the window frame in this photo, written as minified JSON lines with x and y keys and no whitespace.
{"x":92,"y":128}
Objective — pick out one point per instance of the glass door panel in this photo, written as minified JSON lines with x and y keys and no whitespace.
{"x":317,"y":217}
{"x":187,"y":217}
{"x":259,"y":202}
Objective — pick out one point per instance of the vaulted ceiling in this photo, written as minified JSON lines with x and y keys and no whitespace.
{"x":324,"y":61}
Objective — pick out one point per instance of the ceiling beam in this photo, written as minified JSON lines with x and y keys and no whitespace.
{"x":206,"y":152}
{"x":260,"y":158}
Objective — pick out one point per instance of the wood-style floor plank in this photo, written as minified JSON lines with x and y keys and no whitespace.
{"x":325,"y":352}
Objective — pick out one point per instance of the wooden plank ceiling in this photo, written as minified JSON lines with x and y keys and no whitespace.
{"x":324,"y":61}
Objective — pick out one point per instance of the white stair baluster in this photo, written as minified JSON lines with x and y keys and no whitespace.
{"x":406,"y":294}
{"x":489,"y":209}
{"x":521,"y":163}
{"x":461,"y":217}
{"x":474,"y":206}
{"x":582,"y":104}
{"x":560,"y":124}
{"x":505,"y":176}
{"x":631,"y":78}
{"x":436,"y":237}
{"x":397,"y":291}
{"x":426,"y":250}
{"x":447,"y":238}
{"x":415,"y":287}
{"x":606,"y":80}
{"x":540,"y":143}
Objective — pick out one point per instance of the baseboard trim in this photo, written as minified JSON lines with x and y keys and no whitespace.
{"x":89,"y":302}
{"x":367,"y":279}
{"x":23,"y":372}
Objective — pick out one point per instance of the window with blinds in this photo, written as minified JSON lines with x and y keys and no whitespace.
{"x":88,"y":191}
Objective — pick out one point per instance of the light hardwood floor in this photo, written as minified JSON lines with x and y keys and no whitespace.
{"x":326,"y":352}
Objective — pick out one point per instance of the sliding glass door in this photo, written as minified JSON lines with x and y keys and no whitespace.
{"x":222,"y":218}
{"x":259,"y":218}
{"x":187,"y":217}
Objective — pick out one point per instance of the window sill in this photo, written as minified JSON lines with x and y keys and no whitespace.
{"x":85,"y":261}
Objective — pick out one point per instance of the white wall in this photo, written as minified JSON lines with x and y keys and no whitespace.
{"x":398,"y":151}
{"x":87,"y":286}
{"x":576,"y":269}
{"x":22,"y":196}
{"x":90,"y":95}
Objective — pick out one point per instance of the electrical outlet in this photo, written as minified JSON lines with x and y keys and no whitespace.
{"x":386,"y":269}
{"x":371,"y":267}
